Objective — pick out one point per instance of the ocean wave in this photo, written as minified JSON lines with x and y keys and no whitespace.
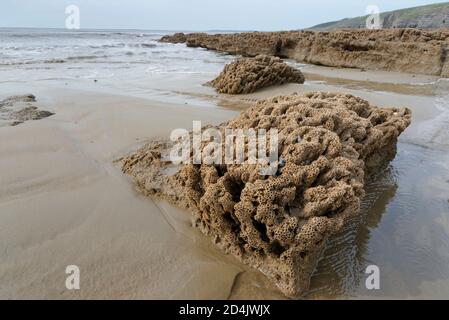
{"x":75,"y":53}
{"x":28,"y":62}
{"x":87,"y":57}
{"x":140,"y":45}
{"x":16,"y":63}
{"x":71,"y":59}
{"x":123,"y":45}
{"x":107,"y":46}
{"x":55,"y":61}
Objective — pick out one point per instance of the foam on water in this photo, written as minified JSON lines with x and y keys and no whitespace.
{"x":74,"y":55}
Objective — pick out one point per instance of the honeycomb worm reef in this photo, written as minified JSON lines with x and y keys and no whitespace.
{"x":247,"y":75}
{"x":279,"y":224}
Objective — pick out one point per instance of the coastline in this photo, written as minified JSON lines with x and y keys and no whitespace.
{"x":65,"y":202}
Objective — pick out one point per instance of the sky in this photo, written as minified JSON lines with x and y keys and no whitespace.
{"x":191,"y":15}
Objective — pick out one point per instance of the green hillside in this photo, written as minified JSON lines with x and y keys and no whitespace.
{"x":426,"y":17}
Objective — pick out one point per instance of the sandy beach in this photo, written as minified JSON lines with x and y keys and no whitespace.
{"x":63,"y":200}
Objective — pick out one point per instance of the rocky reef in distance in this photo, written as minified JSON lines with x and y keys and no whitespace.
{"x":279,"y":224}
{"x":247,"y":75}
{"x":402,"y":50}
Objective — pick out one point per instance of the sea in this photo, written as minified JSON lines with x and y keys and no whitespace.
{"x":126,"y":62}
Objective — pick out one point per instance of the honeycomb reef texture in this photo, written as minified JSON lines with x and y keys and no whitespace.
{"x":247,"y":75}
{"x":16,"y":110}
{"x":328,"y":144}
{"x":403,"y":50}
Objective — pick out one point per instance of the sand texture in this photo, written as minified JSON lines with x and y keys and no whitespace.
{"x":402,"y":50}
{"x":247,"y":75}
{"x":328,"y":144}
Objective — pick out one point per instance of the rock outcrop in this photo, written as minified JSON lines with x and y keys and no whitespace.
{"x":178,"y":37}
{"x":328,"y":144}
{"x":247,"y":75}
{"x":402,"y":50}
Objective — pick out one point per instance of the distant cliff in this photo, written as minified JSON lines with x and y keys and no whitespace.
{"x":425,"y":17}
{"x":402,"y":50}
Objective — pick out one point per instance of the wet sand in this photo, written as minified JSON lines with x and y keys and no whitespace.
{"x":64,"y":202}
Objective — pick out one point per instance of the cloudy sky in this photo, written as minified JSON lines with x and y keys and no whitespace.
{"x":191,"y":14}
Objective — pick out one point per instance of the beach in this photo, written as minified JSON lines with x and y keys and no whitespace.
{"x":64,"y":200}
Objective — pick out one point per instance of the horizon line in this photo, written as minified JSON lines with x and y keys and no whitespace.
{"x":143,"y":29}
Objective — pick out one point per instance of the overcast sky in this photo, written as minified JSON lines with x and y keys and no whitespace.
{"x":191,"y":14}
